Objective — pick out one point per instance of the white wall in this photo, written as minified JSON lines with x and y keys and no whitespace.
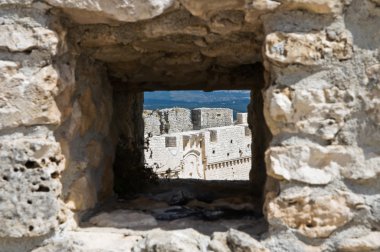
{"x":198,"y":155}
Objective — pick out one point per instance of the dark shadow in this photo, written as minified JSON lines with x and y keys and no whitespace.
{"x":206,"y":206}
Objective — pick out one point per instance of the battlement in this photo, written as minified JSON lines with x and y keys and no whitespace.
{"x":173,"y":120}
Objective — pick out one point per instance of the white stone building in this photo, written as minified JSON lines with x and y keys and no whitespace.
{"x":219,"y":153}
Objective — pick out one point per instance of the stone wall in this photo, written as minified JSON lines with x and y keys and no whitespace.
{"x":319,"y":98}
{"x":204,"y":118}
{"x":172,"y":120}
{"x":321,"y":105}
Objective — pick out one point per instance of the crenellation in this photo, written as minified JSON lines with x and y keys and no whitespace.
{"x":172,"y":120}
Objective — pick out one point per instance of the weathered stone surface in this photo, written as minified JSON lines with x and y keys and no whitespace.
{"x":234,"y":240}
{"x":218,"y":242}
{"x":82,"y":194}
{"x":118,"y":10}
{"x":19,"y":38}
{"x":172,"y":241}
{"x":39,"y":85}
{"x":321,"y":103}
{"x":241,"y":242}
{"x":307,"y":49}
{"x":203,"y":9}
{"x":30,"y":186}
{"x":370,"y":242}
{"x":124,"y":219}
{"x":18,"y":2}
{"x":314,"y":165}
{"x":310,"y":106}
{"x":311,"y":216}
{"x":315,"y":6}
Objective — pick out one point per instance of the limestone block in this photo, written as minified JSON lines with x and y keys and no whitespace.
{"x":311,"y":216}
{"x":314,"y":165}
{"x":30,"y":186}
{"x":370,"y":242}
{"x":307,"y":49}
{"x":242,"y":242}
{"x":306,"y":107}
{"x":367,"y":165}
{"x":27,"y":95}
{"x":316,"y":6}
{"x":102,"y":11}
{"x":204,"y":9}
{"x":319,"y":165}
{"x":187,"y":240}
{"x":82,"y":194}
{"x":124,"y":219}
{"x":218,"y":242}
{"x":265,"y":4}
{"x":19,"y":38}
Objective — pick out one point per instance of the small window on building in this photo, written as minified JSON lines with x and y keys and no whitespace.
{"x":247,"y":131}
{"x":170,"y":142}
{"x":213,"y":135}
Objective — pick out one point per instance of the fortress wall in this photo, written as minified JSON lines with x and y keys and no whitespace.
{"x":233,"y":160}
{"x":164,"y":157}
{"x":172,"y":120}
{"x":229,"y":142}
{"x":236,"y":169}
{"x":211,"y":117}
{"x":175,"y":120}
{"x":152,"y":123}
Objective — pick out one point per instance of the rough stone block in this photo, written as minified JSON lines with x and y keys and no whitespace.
{"x":19,"y":38}
{"x":27,"y":95}
{"x":314,"y":165}
{"x":311,"y":216}
{"x":106,"y":11}
{"x":30,"y":186}
{"x":307,"y":49}
{"x":204,"y":118}
{"x":367,"y":243}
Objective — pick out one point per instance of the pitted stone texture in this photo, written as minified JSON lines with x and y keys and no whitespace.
{"x":38,"y":85}
{"x":30,"y":186}
{"x":307,"y":49}
{"x":115,"y":10}
{"x":311,"y":216}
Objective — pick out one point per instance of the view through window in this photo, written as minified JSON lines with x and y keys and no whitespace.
{"x":197,"y":135}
